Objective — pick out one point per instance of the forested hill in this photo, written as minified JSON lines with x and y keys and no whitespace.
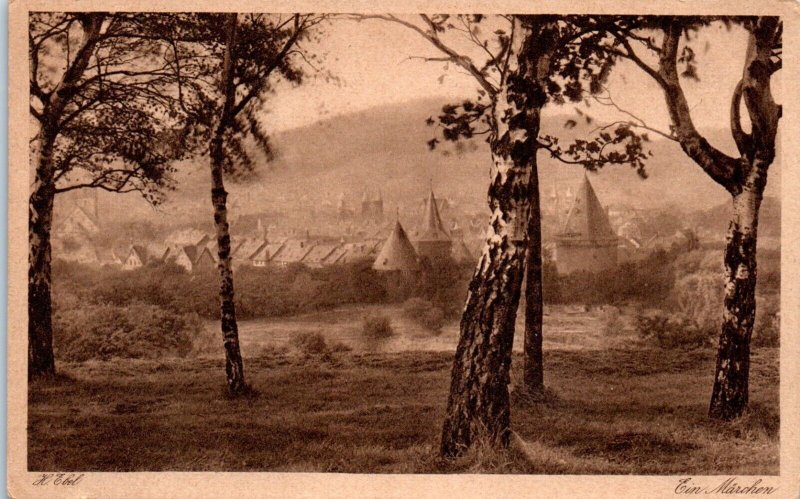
{"x":385,"y":148}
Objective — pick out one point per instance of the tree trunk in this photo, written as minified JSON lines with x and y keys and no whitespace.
{"x":234,"y":368}
{"x":730,"y":393}
{"x":533,"y":367}
{"x":478,"y":404}
{"x":41,"y":361}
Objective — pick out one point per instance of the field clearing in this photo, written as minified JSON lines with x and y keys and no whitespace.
{"x":566,"y":327}
{"x":617,"y":411}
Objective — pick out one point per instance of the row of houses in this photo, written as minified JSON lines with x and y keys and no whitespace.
{"x":254,"y":252}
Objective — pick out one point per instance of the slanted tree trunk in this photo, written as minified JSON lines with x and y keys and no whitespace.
{"x":478,"y":404}
{"x":744,"y":178}
{"x":730,"y":393}
{"x":533,"y":366}
{"x":234,"y":367}
{"x":41,"y":361}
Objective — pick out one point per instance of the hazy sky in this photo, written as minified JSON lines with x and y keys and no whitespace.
{"x":371,"y":58}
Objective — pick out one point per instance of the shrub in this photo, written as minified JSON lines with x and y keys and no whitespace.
{"x":612,"y":321}
{"x":672,"y":330}
{"x":699,"y":297}
{"x":768,"y":321}
{"x":310,"y":343}
{"x":377,"y":327}
{"x":134,"y":331}
{"x":424,"y":313}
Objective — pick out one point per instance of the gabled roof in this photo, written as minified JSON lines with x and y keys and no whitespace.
{"x":336,"y":256}
{"x":587,"y":220}
{"x":292,"y":251}
{"x":266,"y":251}
{"x":320,"y":252}
{"x":397,"y":252}
{"x":247,"y":249}
{"x":158,"y":251}
{"x":432,"y":228}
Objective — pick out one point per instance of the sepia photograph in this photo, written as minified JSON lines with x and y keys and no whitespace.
{"x":381,"y":243}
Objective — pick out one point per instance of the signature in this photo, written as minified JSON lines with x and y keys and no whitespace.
{"x":66,"y":479}
{"x":732,"y":485}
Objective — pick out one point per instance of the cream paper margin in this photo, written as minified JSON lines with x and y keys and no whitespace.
{"x":242,"y":485}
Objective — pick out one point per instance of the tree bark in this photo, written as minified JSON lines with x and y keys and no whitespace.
{"x":234,"y":367}
{"x":744,"y":178}
{"x":533,"y":365}
{"x":478,"y":403}
{"x":730,"y":393}
{"x":41,"y":361}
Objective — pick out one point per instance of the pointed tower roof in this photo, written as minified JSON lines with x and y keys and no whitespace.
{"x":461,"y":253}
{"x":397,"y":252}
{"x":432,"y":228}
{"x":587,"y":220}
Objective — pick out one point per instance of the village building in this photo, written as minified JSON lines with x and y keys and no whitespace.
{"x":397,"y":253}
{"x":192,"y":258}
{"x":586,"y":241}
{"x":243,"y":253}
{"x":432,"y":240}
{"x":319,"y":254}
{"x":372,"y":207}
{"x":292,"y":251}
{"x":264,"y":254}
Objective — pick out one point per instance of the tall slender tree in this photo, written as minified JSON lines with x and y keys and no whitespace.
{"x":665,"y":40}
{"x":257,"y":49}
{"x":527,"y":61}
{"x":104,"y":91}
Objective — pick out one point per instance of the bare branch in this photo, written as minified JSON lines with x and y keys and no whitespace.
{"x":431,"y":35}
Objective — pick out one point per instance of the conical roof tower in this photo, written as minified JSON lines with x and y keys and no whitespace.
{"x":397,"y":252}
{"x":432,"y":228}
{"x":586,"y":242}
{"x":587,"y":220}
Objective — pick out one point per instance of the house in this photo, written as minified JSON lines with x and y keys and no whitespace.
{"x":363,"y":250}
{"x":292,"y":251}
{"x":245,"y":250}
{"x":265,"y":253}
{"x":192,"y":258}
{"x":136,"y":257}
{"x":319,"y":253}
{"x":587,"y":242}
{"x":336,"y":256}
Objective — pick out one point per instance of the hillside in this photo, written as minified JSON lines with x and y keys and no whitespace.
{"x":385,"y":148}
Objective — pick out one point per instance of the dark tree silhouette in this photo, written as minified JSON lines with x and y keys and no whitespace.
{"x":256,"y":50}
{"x":104,"y":89}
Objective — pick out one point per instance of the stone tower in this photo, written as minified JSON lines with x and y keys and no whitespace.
{"x":433,"y":241}
{"x":586,"y":241}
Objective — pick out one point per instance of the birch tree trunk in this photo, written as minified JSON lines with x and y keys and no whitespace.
{"x":478,"y":403}
{"x":744,"y":178}
{"x":41,"y":361}
{"x":234,"y":367}
{"x":730,"y":393}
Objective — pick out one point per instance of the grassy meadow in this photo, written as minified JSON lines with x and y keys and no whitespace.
{"x":613,"y":410}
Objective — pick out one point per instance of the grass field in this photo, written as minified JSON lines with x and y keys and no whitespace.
{"x":611,"y":411}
